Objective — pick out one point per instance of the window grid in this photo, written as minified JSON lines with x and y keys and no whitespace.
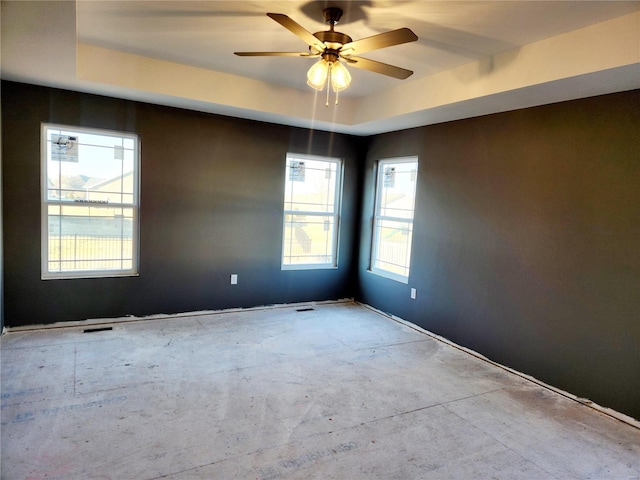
{"x":393,"y":218}
{"x":311,"y":212}
{"x":89,"y":203}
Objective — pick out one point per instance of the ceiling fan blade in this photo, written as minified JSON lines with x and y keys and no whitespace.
{"x":295,"y":28}
{"x":274,"y":54}
{"x":379,"y":67}
{"x":382,"y":40}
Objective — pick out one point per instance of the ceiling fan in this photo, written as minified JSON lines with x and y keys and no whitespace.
{"x":332,"y":46}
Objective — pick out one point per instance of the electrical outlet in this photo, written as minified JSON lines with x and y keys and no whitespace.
{"x":234,"y":279}
{"x":413,"y":293}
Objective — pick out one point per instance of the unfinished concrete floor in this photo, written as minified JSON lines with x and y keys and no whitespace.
{"x":337,"y":392}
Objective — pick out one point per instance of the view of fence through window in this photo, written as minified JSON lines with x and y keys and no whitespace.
{"x":393,"y":223}
{"x":311,"y":212}
{"x":89,"y":202}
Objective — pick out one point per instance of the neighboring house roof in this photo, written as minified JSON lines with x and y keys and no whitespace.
{"x":97,"y":183}
{"x":83,"y":182}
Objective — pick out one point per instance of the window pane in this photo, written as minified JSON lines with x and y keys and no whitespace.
{"x":308,"y":239}
{"x":393,"y":246}
{"x":90,"y":238}
{"x":82,"y":166}
{"x":310,"y":185}
{"x":398,"y":190}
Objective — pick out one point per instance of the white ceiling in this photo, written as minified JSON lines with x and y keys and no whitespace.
{"x":471,"y":58}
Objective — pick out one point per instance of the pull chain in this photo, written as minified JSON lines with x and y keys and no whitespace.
{"x":328,"y":84}
{"x":329,"y":87}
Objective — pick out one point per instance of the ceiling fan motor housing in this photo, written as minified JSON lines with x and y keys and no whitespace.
{"x":333,"y":39}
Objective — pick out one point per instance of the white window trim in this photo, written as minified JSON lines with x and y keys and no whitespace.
{"x":375,"y":231}
{"x":335,"y":215}
{"x":45,"y":202}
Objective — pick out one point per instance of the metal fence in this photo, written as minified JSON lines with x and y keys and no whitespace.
{"x":393,"y":256}
{"x":89,"y":252}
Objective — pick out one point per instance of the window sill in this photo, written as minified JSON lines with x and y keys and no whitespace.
{"x":88,"y":275}
{"x":308,"y":267}
{"x":389,"y":275}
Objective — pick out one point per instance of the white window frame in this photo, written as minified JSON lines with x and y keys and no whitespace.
{"x":377,"y":217}
{"x":335,"y":214}
{"x":46,"y":202}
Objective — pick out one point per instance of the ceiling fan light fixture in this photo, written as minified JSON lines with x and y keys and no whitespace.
{"x":317,"y":75}
{"x":340,"y":76}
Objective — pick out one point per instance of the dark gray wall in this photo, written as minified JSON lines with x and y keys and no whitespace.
{"x":211,"y":204}
{"x":1,"y":238}
{"x":525,"y":244}
{"x":527,"y":241}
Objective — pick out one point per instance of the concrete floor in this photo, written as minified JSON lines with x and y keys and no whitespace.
{"x":335,"y":392}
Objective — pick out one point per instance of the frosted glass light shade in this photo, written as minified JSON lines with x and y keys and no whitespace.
{"x":340,"y":76}
{"x":317,"y":75}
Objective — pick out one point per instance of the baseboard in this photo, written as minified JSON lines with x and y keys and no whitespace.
{"x":164,"y":316}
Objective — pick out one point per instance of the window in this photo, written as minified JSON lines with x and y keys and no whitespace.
{"x":89,"y":203}
{"x":393,"y":218}
{"x":311,"y":212}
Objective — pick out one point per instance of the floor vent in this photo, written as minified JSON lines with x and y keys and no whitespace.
{"x":308,"y":309}
{"x":98,"y":329}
